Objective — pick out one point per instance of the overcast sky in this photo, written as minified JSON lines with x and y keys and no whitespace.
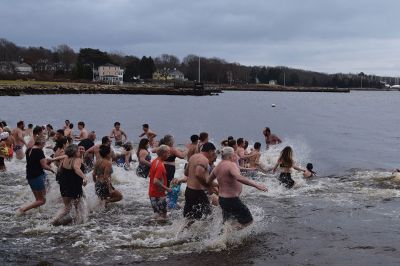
{"x":321,"y":35}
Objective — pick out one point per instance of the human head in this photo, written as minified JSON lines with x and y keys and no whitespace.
{"x":287,"y":156}
{"x":224,"y":143}
{"x":143,"y":144}
{"x":240,"y":142}
{"x":257,"y":145}
{"x":40,"y":141}
{"x":117,"y":125}
{"x":20,"y":125}
{"x":227,"y":153}
{"x":246,"y":144}
{"x":194,"y":139}
{"x":310,"y":168}
{"x":203,"y":137}
{"x":145,"y":127}
{"x":128,"y":146}
{"x":267,"y":131}
{"x":61,"y":143}
{"x":208,"y":149}
{"x":67,"y":122}
{"x":105,"y":151}
{"x":30,"y":126}
{"x":168,"y":140}
{"x":37,"y":130}
{"x":163,"y":152}
{"x":81,"y":125}
{"x":106,"y":140}
{"x":72,"y":151}
{"x":71,"y":126}
{"x":59,"y":134}
{"x":232,"y":143}
{"x":49,"y":127}
{"x":81,"y":150}
{"x":230,"y":138}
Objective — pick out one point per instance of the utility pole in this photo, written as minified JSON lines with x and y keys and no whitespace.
{"x":199,"y":69}
{"x":284,"y":79}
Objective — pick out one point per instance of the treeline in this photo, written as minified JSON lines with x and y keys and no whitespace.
{"x":62,"y":62}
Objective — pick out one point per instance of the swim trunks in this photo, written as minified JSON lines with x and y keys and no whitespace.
{"x":159,"y":205}
{"x":197,"y":204}
{"x":233,"y":208}
{"x":286,"y":179}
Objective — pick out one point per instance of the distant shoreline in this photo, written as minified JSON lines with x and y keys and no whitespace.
{"x":17,"y":88}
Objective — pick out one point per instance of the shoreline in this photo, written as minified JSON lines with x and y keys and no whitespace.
{"x":17,"y":88}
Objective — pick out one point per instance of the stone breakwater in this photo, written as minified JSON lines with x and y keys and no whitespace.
{"x":87,"y":88}
{"x":266,"y":87}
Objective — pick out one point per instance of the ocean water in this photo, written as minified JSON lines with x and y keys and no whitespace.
{"x":347,"y":215}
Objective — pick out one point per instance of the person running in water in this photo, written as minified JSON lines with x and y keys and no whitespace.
{"x":144,"y":158}
{"x":270,"y":139}
{"x":158,"y":183}
{"x":83,"y":133}
{"x":118,"y":133}
{"x":192,"y":146}
{"x":286,"y":163}
{"x":197,"y":203}
{"x":18,"y":134}
{"x":149,"y":134}
{"x":36,"y":162}
{"x":230,"y":184}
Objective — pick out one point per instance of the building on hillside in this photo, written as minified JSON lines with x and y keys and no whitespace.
{"x":272,"y":82}
{"x":110,"y":74}
{"x":6,"y":67}
{"x":167,"y":74}
{"x":22,"y":68}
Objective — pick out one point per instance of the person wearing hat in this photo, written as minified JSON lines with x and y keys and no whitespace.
{"x":36,"y":163}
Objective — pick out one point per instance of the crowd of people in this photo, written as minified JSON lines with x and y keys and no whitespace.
{"x":75,"y":156}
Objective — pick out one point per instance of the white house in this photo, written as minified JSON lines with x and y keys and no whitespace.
{"x":22,"y":68}
{"x":110,"y":73}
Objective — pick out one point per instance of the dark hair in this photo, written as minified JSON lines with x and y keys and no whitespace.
{"x":310,"y":168}
{"x":117,"y":124}
{"x":203,"y":136}
{"x":231,"y":143}
{"x":240,"y":141}
{"x":66,"y":121}
{"x":224,"y":143}
{"x":70,"y":140}
{"x":128,"y":146}
{"x":246,"y":144}
{"x":161,"y":142}
{"x":30,"y":126}
{"x":230,"y":138}
{"x":145,"y":125}
{"x":257,"y":145}
{"x":105,"y":140}
{"x":80,"y":123}
{"x":104,"y":150}
{"x":4,"y":123}
{"x":60,"y":131}
{"x":52,"y":134}
{"x":267,"y":130}
{"x":142,"y":145}
{"x":20,"y":123}
{"x":194,"y":138}
{"x":60,"y":144}
{"x":208,"y":147}
{"x":37,"y":130}
{"x":71,"y":126}
{"x":49,"y":126}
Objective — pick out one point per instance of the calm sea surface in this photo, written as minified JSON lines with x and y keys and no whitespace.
{"x":348,"y":215}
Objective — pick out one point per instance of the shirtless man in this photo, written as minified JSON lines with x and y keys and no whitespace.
{"x":149,"y":134}
{"x":254,"y":160}
{"x":192,"y":146}
{"x":230,"y":187}
{"x":197,"y":203}
{"x":118,"y":133}
{"x":18,"y":134}
{"x":270,"y":139}
{"x":241,"y":152}
{"x":94,"y":151}
{"x":203,"y":138}
{"x":29,"y":131}
{"x":83,"y":132}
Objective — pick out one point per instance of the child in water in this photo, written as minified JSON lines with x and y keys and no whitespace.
{"x":125,"y":159}
{"x":309,"y":171}
{"x":286,"y":163}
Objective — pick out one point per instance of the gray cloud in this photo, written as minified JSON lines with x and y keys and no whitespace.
{"x":322,"y":35}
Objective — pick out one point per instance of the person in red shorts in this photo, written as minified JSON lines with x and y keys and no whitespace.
{"x":158,"y":183}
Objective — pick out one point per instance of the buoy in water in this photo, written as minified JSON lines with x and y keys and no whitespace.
{"x":273,"y":105}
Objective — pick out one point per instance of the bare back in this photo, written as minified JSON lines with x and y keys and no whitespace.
{"x":225,"y":172}
{"x":197,"y":172}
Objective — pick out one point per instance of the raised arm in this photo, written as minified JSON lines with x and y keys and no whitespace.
{"x":179,"y":154}
{"x":244,"y":180}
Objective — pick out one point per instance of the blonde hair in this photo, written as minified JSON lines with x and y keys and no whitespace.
{"x":286,"y":157}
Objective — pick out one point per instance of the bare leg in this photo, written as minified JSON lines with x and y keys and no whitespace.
{"x":40,"y":197}
{"x":64,"y":211}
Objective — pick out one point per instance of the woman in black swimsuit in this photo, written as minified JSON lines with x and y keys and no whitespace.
{"x":71,"y":179}
{"x":286,"y":163}
{"x":174,"y":153}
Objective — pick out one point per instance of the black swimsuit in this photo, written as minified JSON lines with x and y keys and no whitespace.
{"x":70,"y":182}
{"x":170,"y":169}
